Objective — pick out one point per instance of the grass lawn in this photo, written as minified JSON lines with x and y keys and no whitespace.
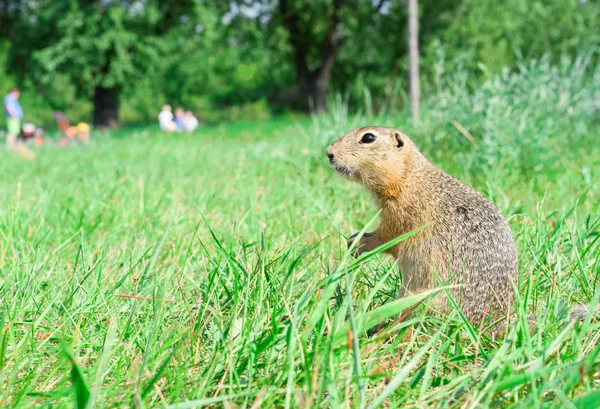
{"x":146,"y":270}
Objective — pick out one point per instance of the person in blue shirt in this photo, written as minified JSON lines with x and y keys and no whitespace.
{"x":179,"y":118}
{"x":14,"y":115}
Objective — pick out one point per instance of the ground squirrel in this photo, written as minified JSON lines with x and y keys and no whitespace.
{"x":467,"y":243}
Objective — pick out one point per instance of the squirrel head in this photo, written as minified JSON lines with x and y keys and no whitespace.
{"x":377,"y":157}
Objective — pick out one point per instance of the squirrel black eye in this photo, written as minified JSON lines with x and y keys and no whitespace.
{"x":367,"y":138}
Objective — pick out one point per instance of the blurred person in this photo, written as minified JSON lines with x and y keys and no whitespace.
{"x":14,"y":115}
{"x":190,"y":122}
{"x":27,"y":131}
{"x":165,"y":119}
{"x":179,"y":118}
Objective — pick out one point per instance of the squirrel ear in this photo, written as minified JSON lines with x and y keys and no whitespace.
{"x":399,"y":140}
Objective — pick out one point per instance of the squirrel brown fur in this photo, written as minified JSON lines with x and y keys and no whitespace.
{"x":466,"y":242}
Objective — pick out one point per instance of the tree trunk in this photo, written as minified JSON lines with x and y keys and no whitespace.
{"x":413,"y":59}
{"x":318,"y":95}
{"x":313,"y":83}
{"x":106,"y":107}
{"x":314,"y":87}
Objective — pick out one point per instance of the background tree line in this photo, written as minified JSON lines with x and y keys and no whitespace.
{"x":112,"y":62}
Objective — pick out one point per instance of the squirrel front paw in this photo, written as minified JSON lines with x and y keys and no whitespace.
{"x":364,"y":244}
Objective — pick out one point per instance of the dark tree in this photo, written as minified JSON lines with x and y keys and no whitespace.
{"x":101,"y":46}
{"x":316,"y":31}
{"x":313,"y":81}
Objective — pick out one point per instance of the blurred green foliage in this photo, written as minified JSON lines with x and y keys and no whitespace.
{"x":233,"y":60}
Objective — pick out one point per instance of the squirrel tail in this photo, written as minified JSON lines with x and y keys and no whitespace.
{"x":577,"y":313}
{"x":580,"y":312}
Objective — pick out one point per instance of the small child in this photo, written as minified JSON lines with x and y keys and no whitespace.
{"x":179,"y":118}
{"x":190,"y":122}
{"x":165,"y":119}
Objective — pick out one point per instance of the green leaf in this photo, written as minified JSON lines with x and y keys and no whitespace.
{"x":158,"y":374}
{"x":82,"y":391}
{"x":370,"y":319}
{"x":588,"y":401}
{"x":198,"y":403}
{"x":405,"y":371}
{"x":521,"y":379}
{"x":384,"y":246}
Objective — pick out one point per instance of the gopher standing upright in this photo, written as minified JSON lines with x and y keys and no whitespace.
{"x":467,"y":242}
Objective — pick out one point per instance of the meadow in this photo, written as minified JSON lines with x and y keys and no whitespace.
{"x":151,"y":270}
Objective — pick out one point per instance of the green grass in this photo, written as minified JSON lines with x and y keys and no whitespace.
{"x":146,"y":270}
